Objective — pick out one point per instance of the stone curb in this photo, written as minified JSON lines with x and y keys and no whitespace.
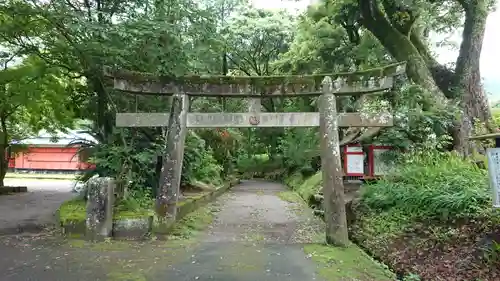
{"x":143,"y":227}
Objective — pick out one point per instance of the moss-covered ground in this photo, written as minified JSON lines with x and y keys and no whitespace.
{"x":74,"y":210}
{"x":335,"y":263}
{"x":349,"y":263}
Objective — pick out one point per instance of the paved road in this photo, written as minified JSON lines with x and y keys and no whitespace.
{"x":254,"y":236}
{"x":33,"y":210}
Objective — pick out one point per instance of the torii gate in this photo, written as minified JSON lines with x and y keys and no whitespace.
{"x":326,"y":86}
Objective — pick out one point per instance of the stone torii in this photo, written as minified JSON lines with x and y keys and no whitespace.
{"x":326,"y":86}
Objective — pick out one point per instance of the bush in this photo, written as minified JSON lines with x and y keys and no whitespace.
{"x":199,"y":162}
{"x":431,"y":185}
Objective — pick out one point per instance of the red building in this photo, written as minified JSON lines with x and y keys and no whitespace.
{"x":46,"y":153}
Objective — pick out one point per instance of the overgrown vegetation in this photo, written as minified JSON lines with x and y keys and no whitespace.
{"x":435,"y":205}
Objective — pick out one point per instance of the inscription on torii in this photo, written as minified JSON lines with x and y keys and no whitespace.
{"x":264,"y":119}
{"x":326,"y":86}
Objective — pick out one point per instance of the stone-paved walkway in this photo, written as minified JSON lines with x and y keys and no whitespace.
{"x":255,"y":236}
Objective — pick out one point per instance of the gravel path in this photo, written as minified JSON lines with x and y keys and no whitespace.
{"x":254,"y":236}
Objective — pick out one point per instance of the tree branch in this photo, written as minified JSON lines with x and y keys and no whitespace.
{"x":400,"y":16}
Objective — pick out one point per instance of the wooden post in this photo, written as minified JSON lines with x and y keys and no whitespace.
{"x":168,"y":193}
{"x":333,"y":186}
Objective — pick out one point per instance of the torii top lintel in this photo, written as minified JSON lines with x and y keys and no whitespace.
{"x":353,"y":83}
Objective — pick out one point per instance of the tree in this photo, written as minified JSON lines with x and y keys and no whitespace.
{"x":255,"y":39}
{"x":403,"y":28}
{"x":35,"y":96}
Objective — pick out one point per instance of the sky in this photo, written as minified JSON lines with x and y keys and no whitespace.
{"x":490,"y":60}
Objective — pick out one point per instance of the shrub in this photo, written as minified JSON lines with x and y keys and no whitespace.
{"x":199,"y":162}
{"x":431,"y":185}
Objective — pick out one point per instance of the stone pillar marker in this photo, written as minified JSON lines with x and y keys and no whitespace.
{"x":331,"y":167}
{"x":99,"y":209}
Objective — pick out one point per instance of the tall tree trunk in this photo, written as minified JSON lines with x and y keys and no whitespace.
{"x":468,"y":86}
{"x":405,"y":44}
{"x":401,"y":48}
{"x":4,"y":145}
{"x":104,"y":122}
{"x":4,"y":164}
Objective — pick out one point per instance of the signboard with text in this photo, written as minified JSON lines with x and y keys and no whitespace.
{"x":354,"y":160}
{"x":494,"y":173}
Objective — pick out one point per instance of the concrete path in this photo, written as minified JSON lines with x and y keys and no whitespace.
{"x":33,"y":210}
{"x":254,"y":236}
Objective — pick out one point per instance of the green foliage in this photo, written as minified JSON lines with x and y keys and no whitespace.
{"x":418,"y":124}
{"x":431,"y":185}
{"x":199,"y":162}
{"x":320,"y":46}
{"x":139,"y":202}
{"x":349,"y":263}
{"x":310,"y":186}
{"x":34,"y":97}
{"x":299,"y":146}
{"x":193,"y":222}
{"x":255,"y":38}
{"x":249,"y":163}
{"x":492,"y":254}
{"x":495,"y":112}
{"x":126,"y":161}
{"x":72,"y":210}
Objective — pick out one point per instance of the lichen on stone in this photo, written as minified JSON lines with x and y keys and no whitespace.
{"x":252,"y":85}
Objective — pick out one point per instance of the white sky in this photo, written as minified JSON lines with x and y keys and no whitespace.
{"x":490,"y":61}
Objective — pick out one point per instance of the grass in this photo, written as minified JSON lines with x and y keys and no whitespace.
{"x":290,"y":196}
{"x":39,"y":176}
{"x":434,"y":201}
{"x":334,"y":263}
{"x":75,"y":210}
{"x":441,"y":187}
{"x":194,"y":222}
{"x":72,"y":210}
{"x":347,"y":264}
{"x":310,"y":186}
